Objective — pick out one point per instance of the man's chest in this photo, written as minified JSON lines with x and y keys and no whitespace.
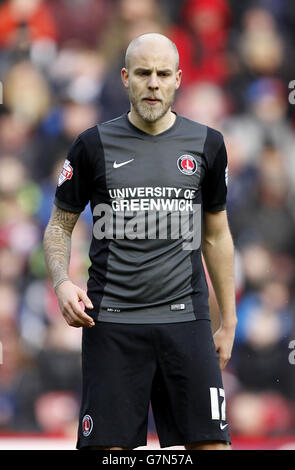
{"x":153,"y":164}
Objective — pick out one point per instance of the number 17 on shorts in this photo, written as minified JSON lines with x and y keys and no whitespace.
{"x":217,"y":399}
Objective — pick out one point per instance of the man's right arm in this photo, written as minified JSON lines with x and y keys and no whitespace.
{"x":57,"y":252}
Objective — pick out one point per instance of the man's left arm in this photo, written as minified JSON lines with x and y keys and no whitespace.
{"x":218,"y":253}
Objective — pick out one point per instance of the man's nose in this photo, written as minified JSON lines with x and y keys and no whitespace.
{"x":153,"y":81}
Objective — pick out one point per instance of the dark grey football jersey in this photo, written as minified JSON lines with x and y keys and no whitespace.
{"x":147,"y":195}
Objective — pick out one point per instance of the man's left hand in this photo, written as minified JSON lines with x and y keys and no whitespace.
{"x":224,"y":340}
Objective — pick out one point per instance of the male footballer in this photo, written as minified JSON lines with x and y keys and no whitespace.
{"x":147,"y":334}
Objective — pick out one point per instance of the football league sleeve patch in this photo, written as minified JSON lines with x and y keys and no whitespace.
{"x":73,"y":189}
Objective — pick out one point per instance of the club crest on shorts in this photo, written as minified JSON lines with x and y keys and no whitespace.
{"x":87,"y":425}
{"x":187,"y":164}
{"x":66,"y":173}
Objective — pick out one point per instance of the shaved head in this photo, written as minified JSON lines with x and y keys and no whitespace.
{"x":154,"y":40}
{"x":151,"y":76}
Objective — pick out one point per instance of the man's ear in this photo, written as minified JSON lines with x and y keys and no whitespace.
{"x":125,"y":77}
{"x":178,"y":78}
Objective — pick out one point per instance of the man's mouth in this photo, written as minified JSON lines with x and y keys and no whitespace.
{"x":151,"y":100}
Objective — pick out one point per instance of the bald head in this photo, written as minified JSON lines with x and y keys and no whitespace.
{"x":151,"y":42}
{"x":151,"y":76}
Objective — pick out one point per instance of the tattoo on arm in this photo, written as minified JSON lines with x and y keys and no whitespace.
{"x":57,"y":242}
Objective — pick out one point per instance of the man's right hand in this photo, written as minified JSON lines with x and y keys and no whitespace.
{"x":69,"y":295}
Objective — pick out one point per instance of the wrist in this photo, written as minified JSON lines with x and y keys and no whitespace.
{"x":230,"y":323}
{"x":60,"y":281}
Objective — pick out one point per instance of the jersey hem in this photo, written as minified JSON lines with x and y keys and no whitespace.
{"x":168,"y":319}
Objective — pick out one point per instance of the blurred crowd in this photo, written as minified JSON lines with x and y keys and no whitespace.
{"x":60,"y":64}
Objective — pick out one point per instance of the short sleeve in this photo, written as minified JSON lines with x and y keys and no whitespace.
{"x":214,"y":186}
{"x":73,"y":189}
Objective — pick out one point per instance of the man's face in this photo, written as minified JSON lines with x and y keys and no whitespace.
{"x":151,"y":80}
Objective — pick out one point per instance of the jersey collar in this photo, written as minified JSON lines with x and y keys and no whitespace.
{"x":153,"y":136}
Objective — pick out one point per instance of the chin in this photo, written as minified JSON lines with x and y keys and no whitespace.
{"x":150,"y":119}
{"x":152,"y":116}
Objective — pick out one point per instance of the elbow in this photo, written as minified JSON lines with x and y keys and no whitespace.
{"x":46,"y":233}
{"x":222,"y":239}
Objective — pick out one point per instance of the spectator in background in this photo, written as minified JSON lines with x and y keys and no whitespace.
{"x":128,"y":15}
{"x":27,"y":29}
{"x":264,"y":120}
{"x":15,"y":133}
{"x":27,"y":94}
{"x":268,"y":207}
{"x":201,"y":39}
{"x":80,"y":22}
{"x":203,"y":102}
{"x":13,"y":352}
{"x":55,"y":411}
{"x":261,"y":414}
{"x":259,"y":139}
{"x":23,"y":21}
{"x":256,"y":51}
{"x":266,"y":379}
{"x":77,"y":74}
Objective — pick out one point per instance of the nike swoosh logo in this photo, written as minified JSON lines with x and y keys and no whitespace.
{"x":117,"y":165}
{"x":223,"y":426}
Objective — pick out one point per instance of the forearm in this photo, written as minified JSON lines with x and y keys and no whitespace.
{"x":57,"y":243}
{"x":219,"y":258}
{"x":57,"y":252}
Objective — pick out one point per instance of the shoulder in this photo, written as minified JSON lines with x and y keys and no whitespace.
{"x":87,"y":146}
{"x":94,"y":132}
{"x":89,"y":136}
{"x":214,"y":147}
{"x":211,"y":136}
{"x":114,"y":125}
{"x":114,"y":122}
{"x":214,"y":138}
{"x":190,"y":126}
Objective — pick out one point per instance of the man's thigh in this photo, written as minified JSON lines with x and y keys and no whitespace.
{"x":188,"y":398}
{"x":118,"y":364}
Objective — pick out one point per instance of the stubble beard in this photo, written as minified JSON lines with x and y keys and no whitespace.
{"x":150,"y":113}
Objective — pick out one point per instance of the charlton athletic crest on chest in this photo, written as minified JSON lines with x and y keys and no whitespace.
{"x":187,"y":164}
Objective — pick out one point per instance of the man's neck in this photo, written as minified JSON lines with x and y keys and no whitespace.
{"x":153,"y":128}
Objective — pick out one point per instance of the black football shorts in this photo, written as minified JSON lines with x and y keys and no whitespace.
{"x":173,"y":365}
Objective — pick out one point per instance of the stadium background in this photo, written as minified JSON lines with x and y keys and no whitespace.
{"x":60,"y":64}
